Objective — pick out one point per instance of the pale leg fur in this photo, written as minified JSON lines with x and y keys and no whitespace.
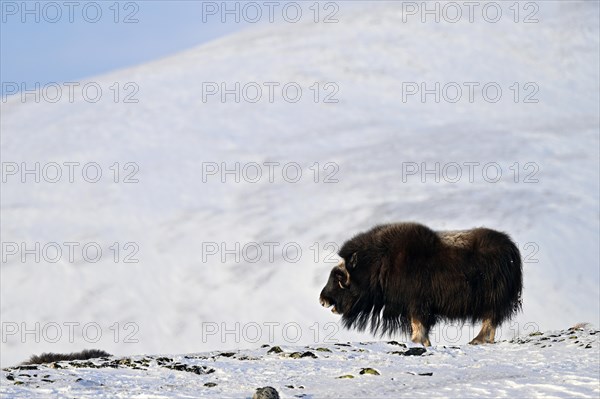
{"x":486,"y":335}
{"x":420,"y":335}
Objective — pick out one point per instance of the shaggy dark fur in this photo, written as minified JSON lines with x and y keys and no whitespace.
{"x":397,"y":272}
{"x":58,"y":357}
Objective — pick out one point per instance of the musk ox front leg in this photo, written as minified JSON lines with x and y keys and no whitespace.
{"x":419,"y":332}
{"x":486,"y":335}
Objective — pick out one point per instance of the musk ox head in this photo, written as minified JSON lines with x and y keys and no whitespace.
{"x":355,"y":288}
{"x":340,"y":292}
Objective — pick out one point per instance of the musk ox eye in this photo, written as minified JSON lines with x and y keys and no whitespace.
{"x":339,"y":276}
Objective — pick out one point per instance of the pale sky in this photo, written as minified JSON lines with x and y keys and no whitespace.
{"x":42,"y":42}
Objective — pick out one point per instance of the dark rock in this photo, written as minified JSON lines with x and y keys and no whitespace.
{"x":298,"y":355}
{"x":266,"y":393}
{"x":415,"y":352}
{"x":25,"y":367}
{"x":210,"y":384}
{"x":200,"y":370}
{"x":370,"y":371}
{"x":185,"y":357}
{"x":275,"y":349}
{"x":244,"y":357}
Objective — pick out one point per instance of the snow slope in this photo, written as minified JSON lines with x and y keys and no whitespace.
{"x":554,"y":364}
{"x":173,"y":299}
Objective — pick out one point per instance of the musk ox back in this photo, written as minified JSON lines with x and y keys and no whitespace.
{"x":406,"y":277}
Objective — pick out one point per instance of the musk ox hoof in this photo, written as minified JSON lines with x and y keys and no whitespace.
{"x":425,"y":342}
{"x":479,"y":341}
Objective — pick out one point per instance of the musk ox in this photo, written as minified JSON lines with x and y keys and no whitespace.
{"x":405,"y":277}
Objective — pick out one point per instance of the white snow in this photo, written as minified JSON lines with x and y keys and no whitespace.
{"x":554,"y":364}
{"x":172,"y":299}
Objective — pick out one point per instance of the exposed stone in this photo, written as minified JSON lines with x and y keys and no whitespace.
{"x":370,"y":371}
{"x":275,"y":349}
{"x":414,"y":352}
{"x":266,"y":393}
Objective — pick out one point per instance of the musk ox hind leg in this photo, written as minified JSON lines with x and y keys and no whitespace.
{"x":419,"y":332}
{"x":486,"y":335}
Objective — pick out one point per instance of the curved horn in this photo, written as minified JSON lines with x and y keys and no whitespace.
{"x":342,"y":267}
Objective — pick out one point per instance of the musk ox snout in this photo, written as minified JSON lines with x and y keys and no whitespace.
{"x":326,"y":301}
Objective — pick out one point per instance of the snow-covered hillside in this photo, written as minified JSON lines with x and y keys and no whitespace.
{"x":181,"y":298}
{"x":553,"y":364}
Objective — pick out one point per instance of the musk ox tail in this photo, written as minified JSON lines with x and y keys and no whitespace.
{"x":50,"y":357}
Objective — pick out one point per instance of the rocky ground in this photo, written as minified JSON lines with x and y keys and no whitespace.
{"x":553,"y":364}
